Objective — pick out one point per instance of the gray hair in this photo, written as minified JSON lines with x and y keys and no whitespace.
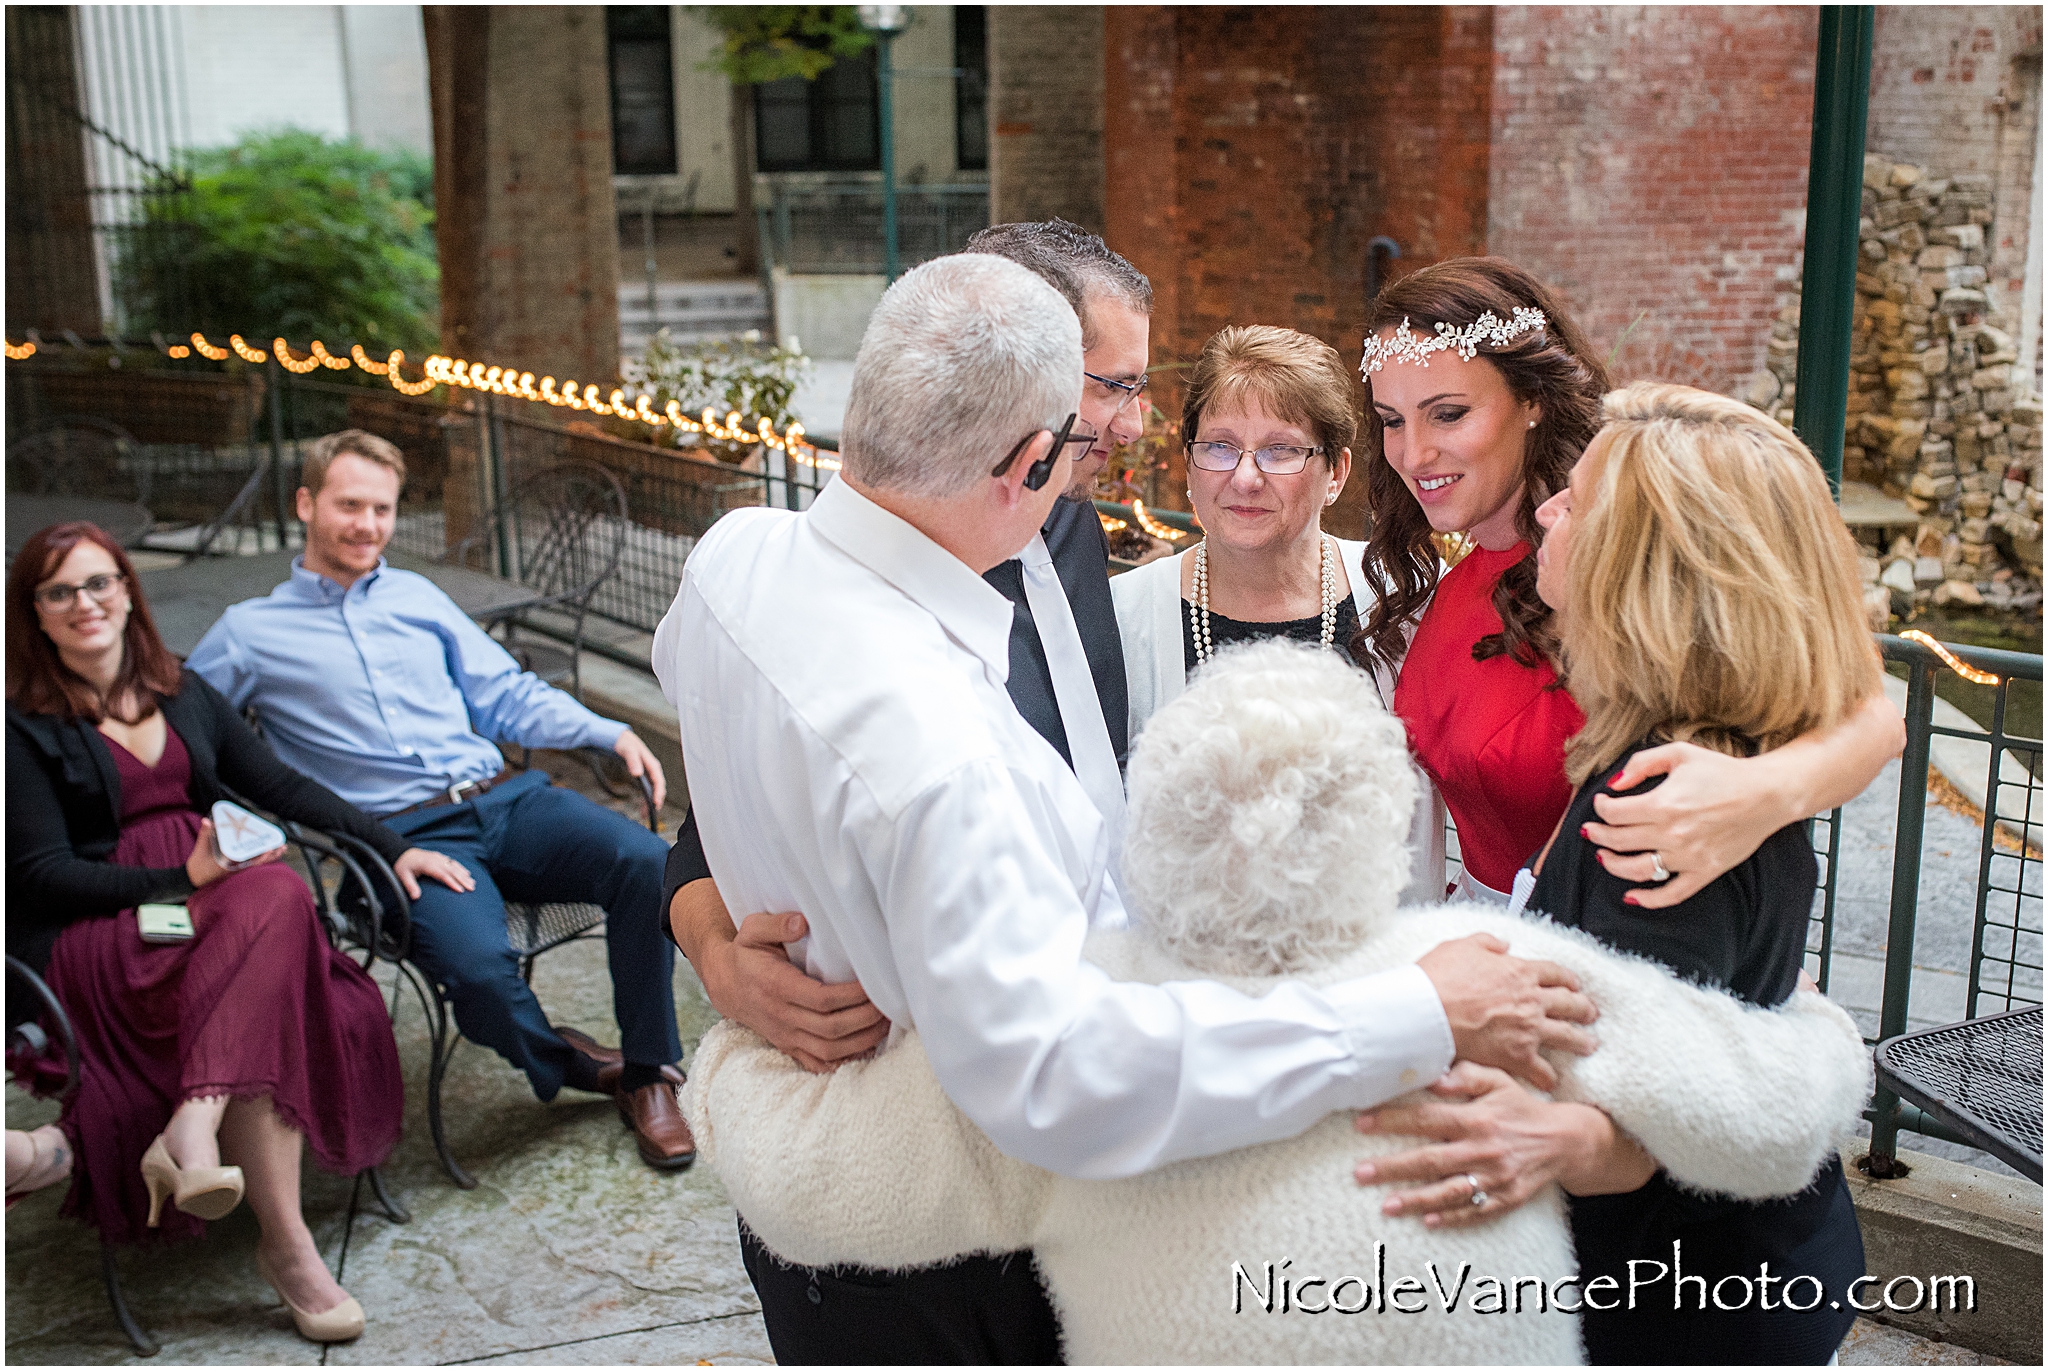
{"x":1075,"y":262}
{"x":963,"y":356}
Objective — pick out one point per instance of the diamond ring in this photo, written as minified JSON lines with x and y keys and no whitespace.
{"x":1658,"y":871}
{"x":1478,"y":1195}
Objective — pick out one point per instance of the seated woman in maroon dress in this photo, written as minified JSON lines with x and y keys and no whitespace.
{"x":203,"y":1050}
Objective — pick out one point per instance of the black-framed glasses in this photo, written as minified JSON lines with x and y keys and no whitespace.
{"x":1062,"y":438}
{"x":101,"y":588}
{"x":1277,"y":459}
{"x":1126,"y":391}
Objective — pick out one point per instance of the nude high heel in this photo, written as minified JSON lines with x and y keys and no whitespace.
{"x":339,"y":1324}
{"x":204,"y":1192}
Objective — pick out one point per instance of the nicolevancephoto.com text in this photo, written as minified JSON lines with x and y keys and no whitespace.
{"x":1447,"y":1289}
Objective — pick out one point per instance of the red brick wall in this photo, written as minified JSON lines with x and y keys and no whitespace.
{"x":1252,"y":153}
{"x":1652,"y":162}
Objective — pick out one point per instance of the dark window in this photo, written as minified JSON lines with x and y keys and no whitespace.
{"x":643,"y":90}
{"x":830,"y":124}
{"x":970,"y":85}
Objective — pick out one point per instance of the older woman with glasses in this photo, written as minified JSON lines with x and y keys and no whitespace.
{"x":238,"y":1039}
{"x":1268,"y":416}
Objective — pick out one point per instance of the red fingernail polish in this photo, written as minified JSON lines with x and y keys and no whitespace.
{"x":1627,"y":899}
{"x":1582,"y":830}
{"x":1617,"y":777}
{"x":1600,"y":856}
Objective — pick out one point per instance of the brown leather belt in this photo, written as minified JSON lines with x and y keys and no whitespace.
{"x":458,"y":794}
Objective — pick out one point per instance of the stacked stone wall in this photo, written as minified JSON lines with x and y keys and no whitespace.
{"x":1942,"y":415}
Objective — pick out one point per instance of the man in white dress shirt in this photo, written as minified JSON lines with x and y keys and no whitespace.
{"x":839,"y":679}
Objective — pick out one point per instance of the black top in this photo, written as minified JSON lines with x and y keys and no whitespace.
{"x":64,"y":812}
{"x":1080,"y":555}
{"x":1309,"y":630}
{"x":1744,"y":933}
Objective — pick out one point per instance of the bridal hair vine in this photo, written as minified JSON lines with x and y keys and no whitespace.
{"x":1405,"y":346}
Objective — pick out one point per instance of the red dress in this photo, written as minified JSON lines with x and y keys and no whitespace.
{"x":1491,"y":734}
{"x":258,"y":1002}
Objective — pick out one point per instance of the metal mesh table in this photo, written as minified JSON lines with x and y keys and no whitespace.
{"x":1981,"y":1077}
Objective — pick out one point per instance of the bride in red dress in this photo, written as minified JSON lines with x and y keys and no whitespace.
{"x":240,"y":1044}
{"x":1481,"y":393}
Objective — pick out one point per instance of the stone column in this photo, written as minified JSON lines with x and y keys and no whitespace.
{"x":526,"y":222}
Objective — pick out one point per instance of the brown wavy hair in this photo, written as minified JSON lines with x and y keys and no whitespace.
{"x":1553,"y":367}
{"x":38,"y":682}
{"x":1300,"y":379}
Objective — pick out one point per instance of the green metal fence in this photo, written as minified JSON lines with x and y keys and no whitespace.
{"x":2005,"y":958}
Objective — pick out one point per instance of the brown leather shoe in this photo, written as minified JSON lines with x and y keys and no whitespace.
{"x":610,"y":1060}
{"x":659,"y":1128}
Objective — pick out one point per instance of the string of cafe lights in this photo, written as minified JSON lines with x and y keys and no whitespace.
{"x":1953,"y":662}
{"x":456,"y":372}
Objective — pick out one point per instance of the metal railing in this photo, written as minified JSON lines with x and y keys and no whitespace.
{"x":196,"y":435}
{"x":2005,"y":950}
{"x":811,"y":229}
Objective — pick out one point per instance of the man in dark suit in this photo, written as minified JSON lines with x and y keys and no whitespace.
{"x":1067,"y":680}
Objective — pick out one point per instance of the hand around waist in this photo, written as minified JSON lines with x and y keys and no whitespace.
{"x":1497,"y":1144}
{"x":749,"y":978}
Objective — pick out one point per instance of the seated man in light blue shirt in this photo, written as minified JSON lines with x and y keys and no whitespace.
{"x":372,"y":680}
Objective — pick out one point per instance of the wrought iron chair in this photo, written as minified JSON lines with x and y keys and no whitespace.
{"x":34,"y":1013}
{"x":562,"y":531}
{"x":79,"y":455}
{"x":239,"y":516}
{"x":362,"y":900}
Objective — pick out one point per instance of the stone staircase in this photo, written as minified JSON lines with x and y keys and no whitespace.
{"x":692,"y":311}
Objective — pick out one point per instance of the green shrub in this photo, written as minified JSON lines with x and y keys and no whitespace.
{"x":287,"y":232}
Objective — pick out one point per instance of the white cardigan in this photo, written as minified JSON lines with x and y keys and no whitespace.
{"x":1153,"y":626}
{"x":873,"y":1165}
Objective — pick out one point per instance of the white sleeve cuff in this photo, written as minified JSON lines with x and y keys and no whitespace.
{"x":1399,"y":1037}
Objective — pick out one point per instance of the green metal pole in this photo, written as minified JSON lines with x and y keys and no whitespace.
{"x":887,"y":84}
{"x":1905,"y":902}
{"x":1834,"y":205}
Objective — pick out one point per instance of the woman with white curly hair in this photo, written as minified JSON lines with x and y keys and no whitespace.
{"x":1266,"y":804}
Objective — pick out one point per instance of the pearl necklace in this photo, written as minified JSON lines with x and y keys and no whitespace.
{"x":1198,"y":612}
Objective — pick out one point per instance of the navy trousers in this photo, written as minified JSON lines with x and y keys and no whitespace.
{"x":529,"y":841}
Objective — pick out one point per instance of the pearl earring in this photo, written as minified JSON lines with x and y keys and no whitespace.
{"x":1532,"y":423}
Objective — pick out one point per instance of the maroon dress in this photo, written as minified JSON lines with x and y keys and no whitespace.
{"x":256,"y":1003}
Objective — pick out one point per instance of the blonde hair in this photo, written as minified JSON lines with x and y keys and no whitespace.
{"x":1299,"y":379}
{"x":1712,"y":591}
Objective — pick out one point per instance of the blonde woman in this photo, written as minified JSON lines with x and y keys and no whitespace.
{"x":1707,"y":593}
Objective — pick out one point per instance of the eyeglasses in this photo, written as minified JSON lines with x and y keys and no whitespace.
{"x":1127,"y":390}
{"x":102,"y":588}
{"x":1281,"y":459}
{"x":1062,"y":438}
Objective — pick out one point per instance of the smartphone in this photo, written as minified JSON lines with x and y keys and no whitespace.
{"x":240,"y":835}
{"x":164,"y":923}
